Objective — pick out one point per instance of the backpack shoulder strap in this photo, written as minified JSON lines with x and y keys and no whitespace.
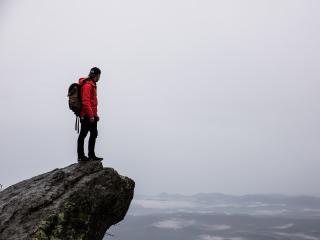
{"x":84,"y":81}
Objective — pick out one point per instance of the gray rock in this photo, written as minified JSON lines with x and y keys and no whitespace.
{"x":80,"y":201}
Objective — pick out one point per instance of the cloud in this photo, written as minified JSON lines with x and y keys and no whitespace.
{"x":163,"y":204}
{"x":286,"y":226}
{"x":209,"y":237}
{"x":215,"y":227}
{"x":311,"y":210}
{"x":174,"y":224}
{"x":297,"y":235}
{"x":179,"y":223}
{"x":271,"y":212}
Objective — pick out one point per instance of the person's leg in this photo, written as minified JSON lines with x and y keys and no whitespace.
{"x":83,"y":133}
{"x":92,"y":140}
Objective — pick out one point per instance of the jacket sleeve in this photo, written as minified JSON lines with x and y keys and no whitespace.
{"x":86,"y":102}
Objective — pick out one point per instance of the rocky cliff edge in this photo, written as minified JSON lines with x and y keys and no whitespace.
{"x":78,"y":202}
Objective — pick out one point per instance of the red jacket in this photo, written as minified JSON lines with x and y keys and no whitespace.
{"x":89,"y":98}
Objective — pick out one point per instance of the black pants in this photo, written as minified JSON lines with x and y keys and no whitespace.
{"x":87,"y":126}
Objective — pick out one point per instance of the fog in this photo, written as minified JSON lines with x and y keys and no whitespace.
{"x":195,"y":95}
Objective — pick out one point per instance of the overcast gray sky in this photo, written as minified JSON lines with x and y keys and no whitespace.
{"x":195,"y":95}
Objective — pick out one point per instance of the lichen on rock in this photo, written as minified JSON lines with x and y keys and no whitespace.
{"x":80,"y":202}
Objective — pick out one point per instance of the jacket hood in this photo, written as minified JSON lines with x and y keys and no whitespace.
{"x":84,"y":78}
{"x":81,"y":80}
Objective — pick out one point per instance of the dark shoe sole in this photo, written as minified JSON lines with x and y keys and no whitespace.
{"x":84,"y":159}
{"x":95,"y":159}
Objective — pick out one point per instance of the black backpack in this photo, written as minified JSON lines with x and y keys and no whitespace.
{"x":75,"y":102}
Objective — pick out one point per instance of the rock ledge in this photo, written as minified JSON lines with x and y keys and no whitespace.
{"x":80,"y":202}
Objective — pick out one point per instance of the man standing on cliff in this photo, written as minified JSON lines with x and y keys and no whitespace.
{"x":89,"y":115}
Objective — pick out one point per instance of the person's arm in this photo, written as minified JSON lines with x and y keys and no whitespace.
{"x":86,"y":102}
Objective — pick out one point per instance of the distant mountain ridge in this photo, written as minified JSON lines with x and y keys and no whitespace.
{"x":251,"y":204}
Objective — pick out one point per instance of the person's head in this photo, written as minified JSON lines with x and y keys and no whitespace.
{"x":94,"y":74}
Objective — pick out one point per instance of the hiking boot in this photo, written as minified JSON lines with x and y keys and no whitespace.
{"x":83,"y":159}
{"x":95,"y":158}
